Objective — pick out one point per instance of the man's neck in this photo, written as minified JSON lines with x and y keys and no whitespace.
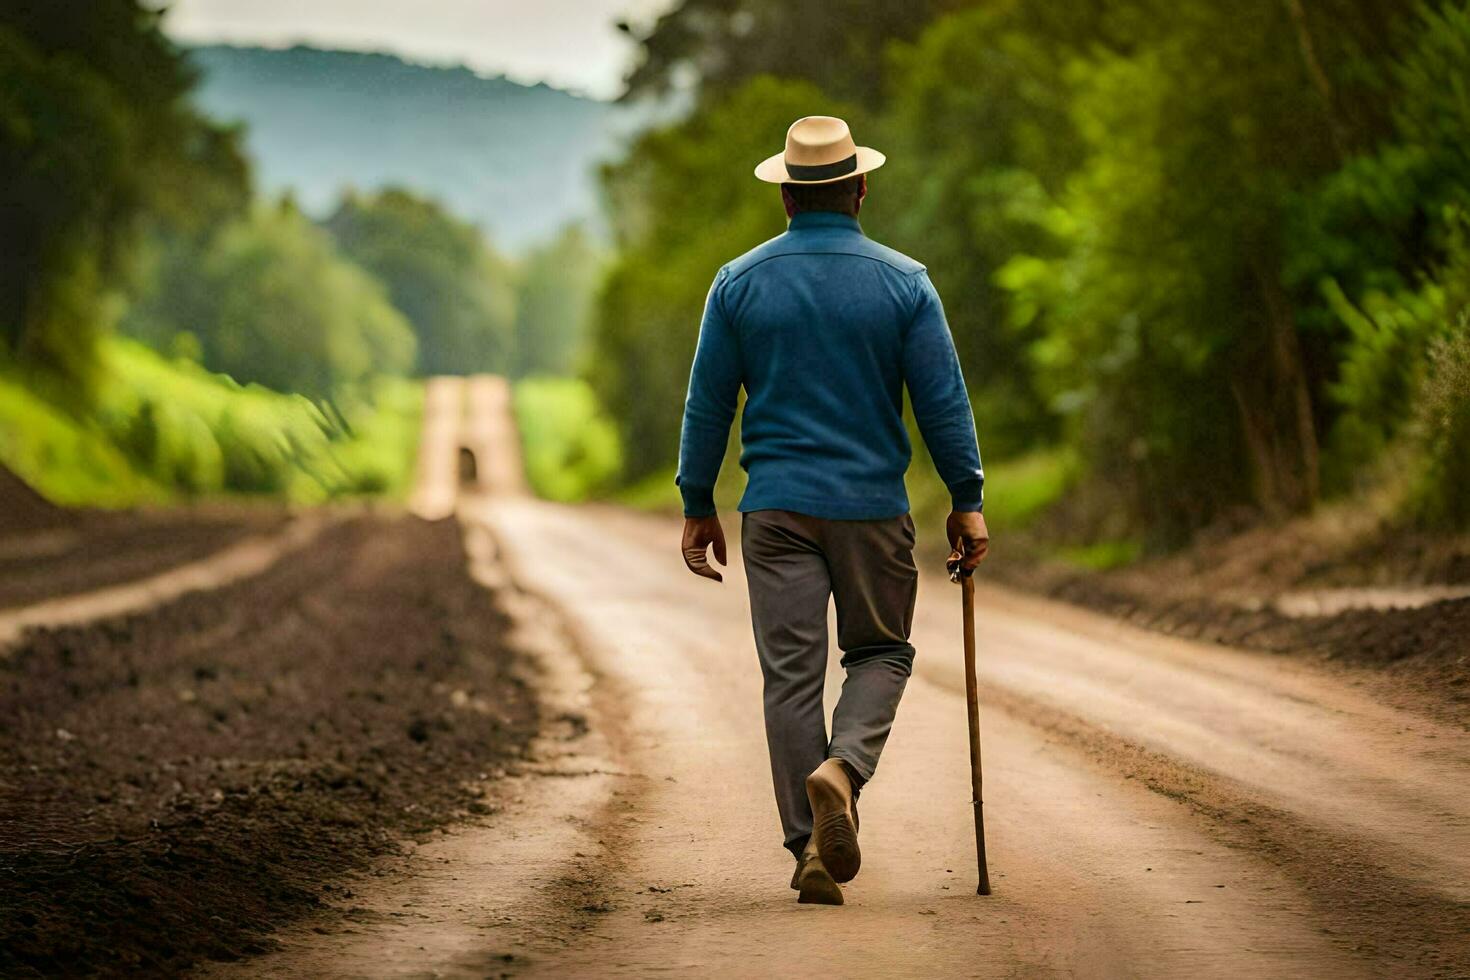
{"x":824,"y":219}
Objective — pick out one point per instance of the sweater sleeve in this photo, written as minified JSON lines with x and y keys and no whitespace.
{"x":709,"y":407}
{"x":931,"y":370}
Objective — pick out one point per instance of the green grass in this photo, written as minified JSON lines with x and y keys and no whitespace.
{"x":67,"y":462}
{"x":1017,"y":490}
{"x":384,"y":422}
{"x":570,"y":448}
{"x":1103,"y":555}
{"x":655,"y":492}
{"x":159,"y":428}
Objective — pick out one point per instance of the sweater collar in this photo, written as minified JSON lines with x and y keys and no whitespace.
{"x":824,"y":219}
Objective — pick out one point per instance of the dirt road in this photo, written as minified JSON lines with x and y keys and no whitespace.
{"x":1156,"y":808}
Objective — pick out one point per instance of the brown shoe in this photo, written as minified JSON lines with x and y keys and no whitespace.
{"x":834,"y":825}
{"x":812,"y":881}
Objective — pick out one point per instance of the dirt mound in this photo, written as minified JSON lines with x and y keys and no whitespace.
{"x":23,"y":509}
{"x":98,"y":549}
{"x":1428,"y":648}
{"x":179,"y":784}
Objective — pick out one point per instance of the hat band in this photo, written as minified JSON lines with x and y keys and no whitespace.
{"x":822,"y":171}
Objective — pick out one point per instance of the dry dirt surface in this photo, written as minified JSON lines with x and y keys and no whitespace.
{"x":176,"y":784}
{"x":1156,"y":807}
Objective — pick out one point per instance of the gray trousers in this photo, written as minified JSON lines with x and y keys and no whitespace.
{"x":794,"y":565}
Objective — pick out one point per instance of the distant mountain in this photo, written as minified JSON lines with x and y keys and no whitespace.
{"x":518,"y":160}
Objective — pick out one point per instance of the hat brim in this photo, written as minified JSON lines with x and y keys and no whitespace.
{"x":772,"y":169}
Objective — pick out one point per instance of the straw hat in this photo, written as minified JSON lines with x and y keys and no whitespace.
{"x":819,"y":150}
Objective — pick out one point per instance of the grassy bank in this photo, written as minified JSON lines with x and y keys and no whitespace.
{"x":158,"y":429}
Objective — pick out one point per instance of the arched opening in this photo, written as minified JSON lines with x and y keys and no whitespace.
{"x":469,"y":470}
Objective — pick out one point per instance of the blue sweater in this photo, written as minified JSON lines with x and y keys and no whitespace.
{"x":824,"y":327}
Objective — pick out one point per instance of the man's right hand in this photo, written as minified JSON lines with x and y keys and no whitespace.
{"x":699,"y":534}
{"x":968,"y":536}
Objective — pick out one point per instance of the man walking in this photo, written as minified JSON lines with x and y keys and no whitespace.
{"x":824,"y":328}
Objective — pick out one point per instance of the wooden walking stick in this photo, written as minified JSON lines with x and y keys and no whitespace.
{"x":966,"y":579}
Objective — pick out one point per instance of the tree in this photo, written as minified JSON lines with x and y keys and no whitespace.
{"x":458,"y":295}
{"x":1382,"y":245}
{"x":554,"y":305}
{"x":96,"y":133}
{"x":272,"y":302}
{"x":972,"y":172}
{"x":721,"y":44}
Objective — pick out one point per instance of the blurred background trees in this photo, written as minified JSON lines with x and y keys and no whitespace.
{"x":1212,"y":251}
{"x":270,"y":301}
{"x":554,"y":304}
{"x":96,"y":134}
{"x":164,"y":329}
{"x":458,"y":294}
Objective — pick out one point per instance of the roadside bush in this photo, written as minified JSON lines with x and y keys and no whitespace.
{"x":378,"y":453}
{"x":172,"y":444}
{"x":1442,"y":495}
{"x":1383,"y":364}
{"x":162,"y":427}
{"x":1382,"y":243}
{"x":252,"y":464}
{"x":570,"y":447}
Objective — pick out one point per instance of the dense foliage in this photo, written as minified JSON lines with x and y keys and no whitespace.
{"x":457,"y":293}
{"x":554,"y":305}
{"x":96,"y":135}
{"x":268,"y":300}
{"x":570,"y":447}
{"x":160,"y":428}
{"x":1216,"y":251}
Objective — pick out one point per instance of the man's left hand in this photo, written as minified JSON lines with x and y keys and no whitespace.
{"x":699,"y":534}
{"x":968,"y":536}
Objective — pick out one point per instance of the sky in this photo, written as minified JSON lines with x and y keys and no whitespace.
{"x":571,"y":44}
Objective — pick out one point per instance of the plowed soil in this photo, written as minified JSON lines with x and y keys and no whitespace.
{"x":23,"y":509}
{"x":177,"y":784}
